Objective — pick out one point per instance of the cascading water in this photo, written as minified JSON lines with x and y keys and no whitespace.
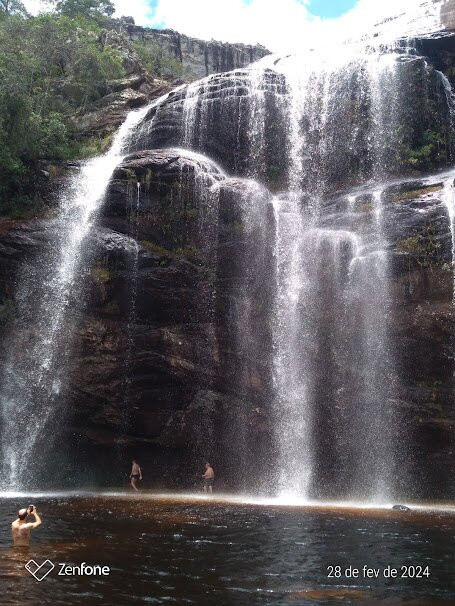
{"x":318,"y":136}
{"x":309,"y":128}
{"x":312,"y":125}
{"x":292,"y":376}
{"x":449,"y":200}
{"x":367,"y":295}
{"x":33,"y":376}
{"x":449,"y":185}
{"x":245,"y":224}
{"x":133,"y":209}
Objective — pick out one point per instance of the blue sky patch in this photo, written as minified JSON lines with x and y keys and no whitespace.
{"x":328,"y":9}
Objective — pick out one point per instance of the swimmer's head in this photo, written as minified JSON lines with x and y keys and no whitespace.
{"x":22,"y":514}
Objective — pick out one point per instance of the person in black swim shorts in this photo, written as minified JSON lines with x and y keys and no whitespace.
{"x":208,"y":477}
{"x":135,"y":475}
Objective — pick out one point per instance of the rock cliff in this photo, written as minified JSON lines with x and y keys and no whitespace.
{"x":448,"y":16}
{"x":198,"y":58}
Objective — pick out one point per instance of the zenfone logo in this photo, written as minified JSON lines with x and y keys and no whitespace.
{"x":40,"y":572}
{"x":83,"y":570}
{"x":66,"y":570}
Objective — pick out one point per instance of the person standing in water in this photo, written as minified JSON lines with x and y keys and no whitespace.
{"x":21,"y":528}
{"x":208,"y":477}
{"x":135,"y":475}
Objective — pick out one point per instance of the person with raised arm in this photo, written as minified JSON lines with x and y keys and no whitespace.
{"x":21,"y":528}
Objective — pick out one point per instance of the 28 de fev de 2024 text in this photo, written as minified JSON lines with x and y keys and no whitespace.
{"x":409,"y":571}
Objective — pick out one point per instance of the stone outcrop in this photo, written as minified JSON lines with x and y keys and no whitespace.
{"x":448,"y":16}
{"x":222,"y":101}
{"x":198,"y":58}
{"x":185,"y":396}
{"x":219,"y":118}
{"x":110,"y":111}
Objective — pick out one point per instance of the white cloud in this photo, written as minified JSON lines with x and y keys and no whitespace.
{"x":270,"y":22}
{"x":35,"y":6}
{"x":280,"y":25}
{"x":138,"y":9}
{"x":287,"y":25}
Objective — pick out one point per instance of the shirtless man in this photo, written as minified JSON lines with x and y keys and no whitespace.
{"x":21,"y":528}
{"x":209,"y":478}
{"x":135,"y":475}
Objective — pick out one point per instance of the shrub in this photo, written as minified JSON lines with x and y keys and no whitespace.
{"x":156,"y":62}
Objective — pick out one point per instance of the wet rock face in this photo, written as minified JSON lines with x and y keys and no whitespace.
{"x":196,"y":314}
{"x":175,"y":197}
{"x":421,"y":321}
{"x":197,"y":317}
{"x":184,"y":397}
{"x":246,"y":121}
{"x":218,"y":117}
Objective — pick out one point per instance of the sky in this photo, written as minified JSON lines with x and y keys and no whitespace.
{"x":330,"y":8}
{"x":269,"y":22}
{"x":280,"y":25}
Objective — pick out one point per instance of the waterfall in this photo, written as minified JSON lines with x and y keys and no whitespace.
{"x":309,"y":127}
{"x":33,"y":379}
{"x":310,"y":146}
{"x":292,"y":377}
{"x":133,"y":209}
{"x":449,"y":201}
{"x":449,"y":189}
{"x":368,"y":299}
{"x":246,"y":222}
{"x":319,"y":134}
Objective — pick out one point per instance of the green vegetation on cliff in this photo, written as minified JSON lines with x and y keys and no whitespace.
{"x":93,"y":9}
{"x":52,"y":67}
{"x":157,"y":62}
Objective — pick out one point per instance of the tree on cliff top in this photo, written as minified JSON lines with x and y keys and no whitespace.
{"x":12,"y":7}
{"x":86,"y":8}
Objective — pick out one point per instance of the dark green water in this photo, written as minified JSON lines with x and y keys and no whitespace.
{"x":171,"y":551}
